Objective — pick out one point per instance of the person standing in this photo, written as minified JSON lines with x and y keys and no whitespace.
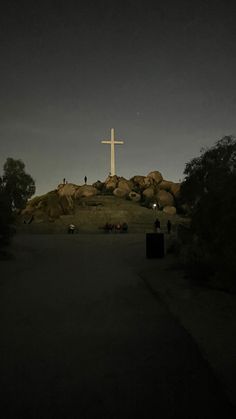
{"x":169,"y":225}
{"x":157,"y":226}
{"x":85,"y":180}
{"x":124,"y":227}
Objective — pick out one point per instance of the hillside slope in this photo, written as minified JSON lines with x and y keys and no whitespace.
{"x":92,"y":213}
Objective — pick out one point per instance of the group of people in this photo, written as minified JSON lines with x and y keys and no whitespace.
{"x":123,"y":228}
{"x":66,"y":181}
{"x":157,"y":226}
{"x":108,"y":227}
{"x":118,"y":228}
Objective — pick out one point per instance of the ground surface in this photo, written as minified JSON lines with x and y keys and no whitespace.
{"x":83,"y":337}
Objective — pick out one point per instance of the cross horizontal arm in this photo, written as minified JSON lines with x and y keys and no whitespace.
{"x":110,"y":142}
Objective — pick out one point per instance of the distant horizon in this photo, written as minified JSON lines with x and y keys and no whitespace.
{"x":43,"y":187}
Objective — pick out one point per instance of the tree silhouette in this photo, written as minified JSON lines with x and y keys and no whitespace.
{"x":209,"y":190}
{"x":18,"y":185}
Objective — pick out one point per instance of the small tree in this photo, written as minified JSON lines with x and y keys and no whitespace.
{"x":18,"y":185}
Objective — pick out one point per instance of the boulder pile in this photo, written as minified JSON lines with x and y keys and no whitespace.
{"x":147,"y":190}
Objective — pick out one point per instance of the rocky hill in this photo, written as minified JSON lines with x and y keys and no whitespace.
{"x":67,"y":199}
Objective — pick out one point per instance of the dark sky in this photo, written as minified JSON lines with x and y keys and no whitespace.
{"x":161,"y":73}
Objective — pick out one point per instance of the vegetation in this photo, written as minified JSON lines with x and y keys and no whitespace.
{"x":6,"y":216}
{"x":16,"y":187}
{"x":209,"y":191}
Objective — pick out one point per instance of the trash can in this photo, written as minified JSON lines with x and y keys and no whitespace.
{"x":155,"y":247}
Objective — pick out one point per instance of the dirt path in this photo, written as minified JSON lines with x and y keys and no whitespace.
{"x":82,"y":336}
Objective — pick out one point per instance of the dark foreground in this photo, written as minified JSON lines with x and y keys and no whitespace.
{"x":82,"y":336}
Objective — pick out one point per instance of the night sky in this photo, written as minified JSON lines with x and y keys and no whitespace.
{"x":161,"y":73}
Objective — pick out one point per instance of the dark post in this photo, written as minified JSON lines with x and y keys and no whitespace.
{"x":155,"y":247}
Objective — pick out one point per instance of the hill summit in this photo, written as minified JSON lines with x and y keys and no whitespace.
{"x":68,"y":198}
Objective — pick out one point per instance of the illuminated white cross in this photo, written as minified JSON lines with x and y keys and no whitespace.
{"x":112,"y":141}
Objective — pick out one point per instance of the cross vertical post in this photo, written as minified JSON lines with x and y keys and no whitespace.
{"x":113,"y":169}
{"x":112,"y":143}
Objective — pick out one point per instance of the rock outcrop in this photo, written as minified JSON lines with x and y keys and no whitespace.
{"x":171,"y":187}
{"x":134,"y":196}
{"x":111,"y":183}
{"x":67,"y":189}
{"x":85,"y":191}
{"x":121,"y":193}
{"x":48,"y":207}
{"x":175,"y":189}
{"x":148,"y":190}
{"x":141,"y":182}
{"x":156,"y":176}
{"x":67,"y":193}
{"x":125,"y":185}
{"x":166,"y":185}
{"x":98,"y":185}
{"x":164,"y":199}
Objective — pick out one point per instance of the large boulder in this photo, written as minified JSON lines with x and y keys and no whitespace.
{"x":129,"y":181}
{"x":54,"y":212}
{"x":66,"y":203}
{"x":125,"y":184}
{"x":120,"y":193}
{"x":49,"y":206}
{"x":98,"y":185}
{"x":165,"y":199}
{"x":146,"y":182}
{"x":166,"y":185}
{"x":141,"y":182}
{"x":85,"y":191}
{"x":149,"y":192}
{"x":134,"y":196}
{"x":111,"y":183}
{"x":169,"y":210}
{"x":54,"y":205}
{"x":175,"y":189}
{"x":137,"y":179}
{"x":156,"y":176}
{"x":67,"y":189}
